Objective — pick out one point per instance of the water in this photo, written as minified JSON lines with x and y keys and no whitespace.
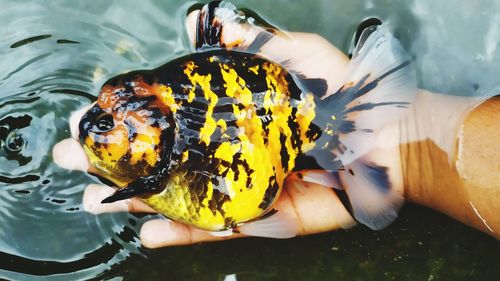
{"x":55,"y":55}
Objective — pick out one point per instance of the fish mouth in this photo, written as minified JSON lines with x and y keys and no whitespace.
{"x":75,"y":118}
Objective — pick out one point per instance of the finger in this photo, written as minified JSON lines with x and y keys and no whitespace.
{"x":191,"y":20}
{"x":305,"y":53}
{"x":316,"y":208}
{"x":95,"y":193}
{"x":162,"y":233}
{"x":308,"y":54}
{"x":69,"y":154}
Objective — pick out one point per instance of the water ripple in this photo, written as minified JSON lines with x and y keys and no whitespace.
{"x":53,"y":59}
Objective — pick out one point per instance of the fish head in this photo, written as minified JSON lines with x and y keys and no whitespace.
{"x":129,"y":131}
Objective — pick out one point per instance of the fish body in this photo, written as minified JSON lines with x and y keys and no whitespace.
{"x":237,"y":124}
{"x":210,"y":138}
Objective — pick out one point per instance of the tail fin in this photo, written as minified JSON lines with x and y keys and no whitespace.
{"x":378,"y":86}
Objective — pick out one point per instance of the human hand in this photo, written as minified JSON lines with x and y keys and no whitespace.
{"x":316,"y":208}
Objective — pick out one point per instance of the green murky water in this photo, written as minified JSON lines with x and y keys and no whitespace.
{"x":49,"y":53}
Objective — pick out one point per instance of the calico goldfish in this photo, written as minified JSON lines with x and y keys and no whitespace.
{"x":210,"y":138}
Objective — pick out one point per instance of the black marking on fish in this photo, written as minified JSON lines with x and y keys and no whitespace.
{"x":294,"y":127}
{"x":314,"y":132}
{"x":209,"y":28}
{"x":229,"y":222}
{"x":317,"y":86}
{"x":306,"y":162}
{"x":368,"y":106}
{"x":270,"y":194}
{"x":378,"y":175}
{"x":285,"y":157}
{"x":218,"y":199}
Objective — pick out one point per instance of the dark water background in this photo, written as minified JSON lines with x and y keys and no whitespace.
{"x":54,"y":55}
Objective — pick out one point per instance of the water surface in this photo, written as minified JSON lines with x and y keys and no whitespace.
{"x":54,"y":56}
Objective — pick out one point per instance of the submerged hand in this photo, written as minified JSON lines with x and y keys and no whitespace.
{"x":316,"y":208}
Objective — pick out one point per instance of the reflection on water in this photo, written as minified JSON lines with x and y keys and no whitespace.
{"x":54,"y":55}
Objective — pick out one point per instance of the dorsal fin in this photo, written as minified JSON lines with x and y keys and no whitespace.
{"x":208,"y":27}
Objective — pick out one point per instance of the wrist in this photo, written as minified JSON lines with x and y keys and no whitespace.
{"x":439,"y":148}
{"x":428,"y":142}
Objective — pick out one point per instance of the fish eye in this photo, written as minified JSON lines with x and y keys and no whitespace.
{"x":104,"y":123}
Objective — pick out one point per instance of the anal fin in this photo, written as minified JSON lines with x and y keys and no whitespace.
{"x":278,"y":225}
{"x":375,"y":203}
{"x":364,"y":189}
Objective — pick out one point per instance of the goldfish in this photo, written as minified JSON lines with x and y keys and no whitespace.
{"x":209,"y":139}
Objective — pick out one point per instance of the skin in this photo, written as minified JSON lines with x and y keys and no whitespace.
{"x":462,"y":183}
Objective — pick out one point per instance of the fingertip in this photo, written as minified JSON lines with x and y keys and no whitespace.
{"x":94,"y":194}
{"x":75,"y":118}
{"x":68,"y":154}
{"x":191,"y":20}
{"x":162,"y":233}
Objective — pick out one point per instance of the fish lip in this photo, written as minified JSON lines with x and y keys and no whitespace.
{"x":75,"y":119}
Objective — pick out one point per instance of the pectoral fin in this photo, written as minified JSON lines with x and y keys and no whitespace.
{"x":142,"y":187}
{"x":278,"y":225}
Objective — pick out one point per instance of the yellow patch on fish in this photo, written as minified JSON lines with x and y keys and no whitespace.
{"x":235,"y":85}
{"x":203,"y":81}
{"x":254,"y":69}
{"x":166,"y":97}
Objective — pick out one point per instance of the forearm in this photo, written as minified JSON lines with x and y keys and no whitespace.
{"x":458,"y":176}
